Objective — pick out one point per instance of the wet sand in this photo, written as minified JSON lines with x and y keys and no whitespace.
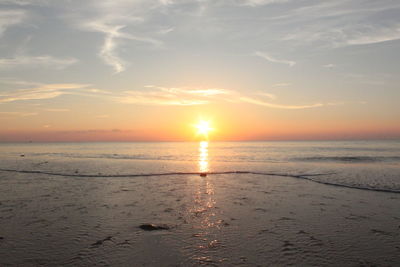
{"x":222,"y":220}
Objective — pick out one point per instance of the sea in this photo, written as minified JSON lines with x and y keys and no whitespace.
{"x":364,"y":165}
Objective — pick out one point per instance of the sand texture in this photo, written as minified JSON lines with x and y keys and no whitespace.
{"x":218,"y":220}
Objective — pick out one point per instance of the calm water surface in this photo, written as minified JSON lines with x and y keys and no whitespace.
{"x":359,"y":164}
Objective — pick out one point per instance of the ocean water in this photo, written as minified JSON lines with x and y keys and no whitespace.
{"x":367,"y":165}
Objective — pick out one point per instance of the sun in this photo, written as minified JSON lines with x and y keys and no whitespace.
{"x":203,"y":128}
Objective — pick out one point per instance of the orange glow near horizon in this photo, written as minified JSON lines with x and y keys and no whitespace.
{"x":192,"y":124}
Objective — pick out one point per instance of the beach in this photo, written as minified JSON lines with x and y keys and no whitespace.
{"x":94,"y":212}
{"x":199,"y":133}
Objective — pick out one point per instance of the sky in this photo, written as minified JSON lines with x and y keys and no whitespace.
{"x":148,"y":70}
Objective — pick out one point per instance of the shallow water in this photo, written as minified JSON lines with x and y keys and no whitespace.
{"x":261,"y":203}
{"x":373,"y":165}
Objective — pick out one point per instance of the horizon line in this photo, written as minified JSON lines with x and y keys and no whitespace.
{"x":196,"y":141}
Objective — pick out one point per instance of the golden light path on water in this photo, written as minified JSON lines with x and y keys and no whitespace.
{"x":206,"y":221}
{"x":203,"y":156}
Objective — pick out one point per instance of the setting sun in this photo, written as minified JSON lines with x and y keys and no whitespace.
{"x":203,"y":128}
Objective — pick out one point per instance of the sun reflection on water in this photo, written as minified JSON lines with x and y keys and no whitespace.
{"x":203,"y":157}
{"x":205,"y":218}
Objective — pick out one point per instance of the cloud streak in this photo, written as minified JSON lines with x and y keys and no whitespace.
{"x":370,"y":35}
{"x":278,"y":106}
{"x":22,"y":2}
{"x":7,"y":114}
{"x":34,"y":61}
{"x":111,"y":19}
{"x":56,"y":109}
{"x":148,"y":95}
{"x":44,"y":91}
{"x":274,"y":60}
{"x":255,"y":3}
{"x":10,"y":17}
{"x":156,"y":95}
{"x":342,"y":23}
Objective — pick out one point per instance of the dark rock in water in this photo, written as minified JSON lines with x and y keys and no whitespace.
{"x":22,"y":155}
{"x":203,"y":174}
{"x":153,"y":227}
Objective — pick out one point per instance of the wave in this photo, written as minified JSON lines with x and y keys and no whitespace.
{"x":105,"y":156}
{"x":308,"y":177}
{"x":218,"y":158}
{"x":188,"y":157}
{"x":350,"y":159}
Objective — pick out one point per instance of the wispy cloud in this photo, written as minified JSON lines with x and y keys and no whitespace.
{"x":55,"y":109}
{"x":166,"y":30}
{"x":44,"y":91}
{"x":342,"y":23}
{"x":111,"y":19}
{"x":372,"y":35}
{"x":34,"y":61}
{"x":274,"y":60}
{"x":108,"y":53}
{"x":16,"y":113}
{"x":113,"y":34}
{"x":267,"y":95}
{"x":346,"y":35}
{"x":255,"y":3}
{"x":166,"y":2}
{"x":281,"y":84}
{"x":149,"y":95}
{"x":278,"y":106}
{"x":329,"y":66}
{"x":10,"y":17}
{"x":156,"y":95}
{"x":21,"y":2}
